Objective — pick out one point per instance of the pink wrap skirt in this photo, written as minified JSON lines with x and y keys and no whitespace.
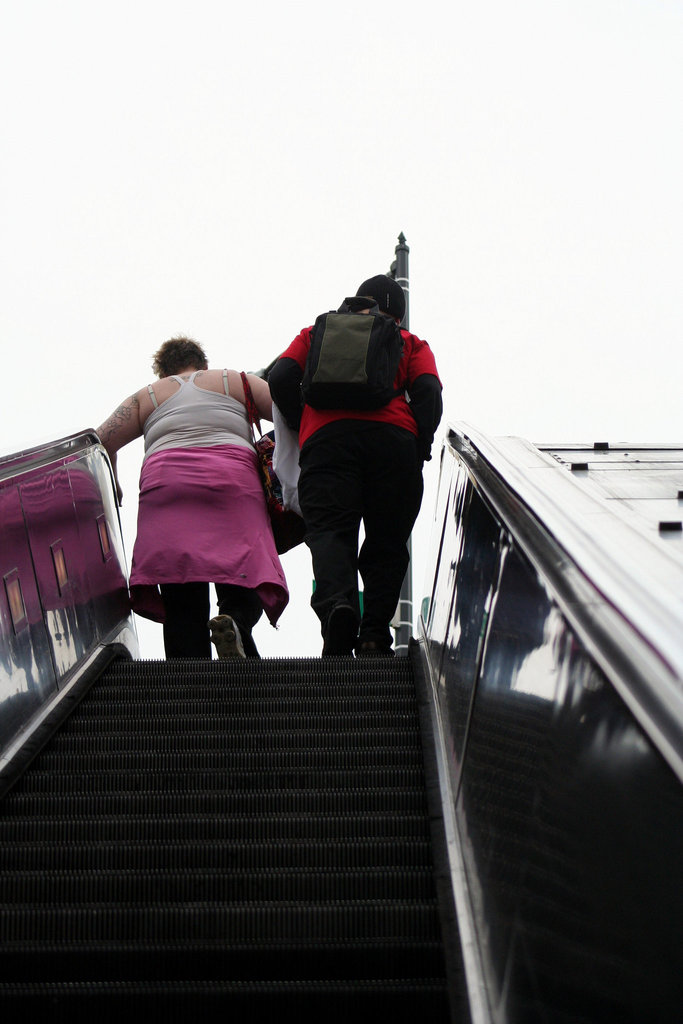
{"x":202,"y":518}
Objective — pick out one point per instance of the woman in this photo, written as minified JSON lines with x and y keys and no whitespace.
{"x":202,"y":514}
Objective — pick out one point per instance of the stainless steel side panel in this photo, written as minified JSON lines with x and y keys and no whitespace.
{"x":63,"y":586}
{"x":27,"y":673}
{"x":564,"y":813}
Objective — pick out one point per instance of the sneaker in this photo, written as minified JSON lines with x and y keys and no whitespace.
{"x":340,"y":632}
{"x":226,"y":637}
{"x":371,"y":649}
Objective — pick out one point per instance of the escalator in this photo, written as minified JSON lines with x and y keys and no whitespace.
{"x":203,"y":838}
{"x":486,"y":831}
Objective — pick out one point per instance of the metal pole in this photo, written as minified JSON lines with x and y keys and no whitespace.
{"x":403,"y":622}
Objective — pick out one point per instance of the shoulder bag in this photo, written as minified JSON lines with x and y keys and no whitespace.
{"x":288,"y":527}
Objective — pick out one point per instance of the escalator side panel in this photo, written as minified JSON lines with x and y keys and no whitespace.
{"x":27,"y":675}
{"x":63,"y":592}
{"x":566,"y":818}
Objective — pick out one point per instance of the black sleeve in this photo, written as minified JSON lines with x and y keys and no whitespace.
{"x":284,"y":381}
{"x":426,"y":406}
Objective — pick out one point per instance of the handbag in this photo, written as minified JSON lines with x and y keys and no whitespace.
{"x":287,"y":525}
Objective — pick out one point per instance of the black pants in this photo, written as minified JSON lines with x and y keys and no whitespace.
{"x":187,"y":605}
{"x":369,"y":473}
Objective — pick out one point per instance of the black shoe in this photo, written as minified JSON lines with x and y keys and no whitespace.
{"x":371,"y":649}
{"x":340,"y":632}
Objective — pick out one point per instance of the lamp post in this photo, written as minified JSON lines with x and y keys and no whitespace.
{"x":403,"y":620}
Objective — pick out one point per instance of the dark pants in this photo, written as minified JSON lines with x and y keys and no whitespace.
{"x":368,"y":473}
{"x":187,"y":605}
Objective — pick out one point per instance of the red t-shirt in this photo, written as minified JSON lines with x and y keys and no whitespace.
{"x":416,"y":360}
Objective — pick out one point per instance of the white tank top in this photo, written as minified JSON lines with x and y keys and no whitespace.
{"x":196,"y":418}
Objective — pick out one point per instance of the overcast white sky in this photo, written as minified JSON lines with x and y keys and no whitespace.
{"x":229,"y":171}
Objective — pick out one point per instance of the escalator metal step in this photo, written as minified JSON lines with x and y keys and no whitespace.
{"x":196,"y":739}
{"x":229,"y":725}
{"x":402,"y":854}
{"x":235,"y":924}
{"x":404,"y":999}
{"x":56,"y":782}
{"x":186,"y":799}
{"x":222,"y":883}
{"x":230,"y":761}
{"x":158,"y":827}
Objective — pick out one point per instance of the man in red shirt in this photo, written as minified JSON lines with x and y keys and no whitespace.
{"x":361,"y":465}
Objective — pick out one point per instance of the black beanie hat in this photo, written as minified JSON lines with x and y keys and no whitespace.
{"x":387,"y":293}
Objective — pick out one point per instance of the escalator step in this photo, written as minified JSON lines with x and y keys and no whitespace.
{"x":177,"y":1002}
{"x":339,"y":669}
{"x":307,"y":673}
{"x":278,"y":923}
{"x":401,"y":853}
{"x":263,"y":962}
{"x":228,"y":724}
{"x":56,"y":782}
{"x":156,"y":827}
{"x":196,"y":739}
{"x":228,"y":720}
{"x":201,"y":687}
{"x":280,"y":710}
{"x":230,"y":761}
{"x":224,"y":884}
{"x":226,"y":801}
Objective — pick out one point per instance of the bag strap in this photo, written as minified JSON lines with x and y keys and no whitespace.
{"x":252,"y":411}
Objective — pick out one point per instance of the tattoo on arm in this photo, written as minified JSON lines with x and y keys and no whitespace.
{"x":120,"y":420}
